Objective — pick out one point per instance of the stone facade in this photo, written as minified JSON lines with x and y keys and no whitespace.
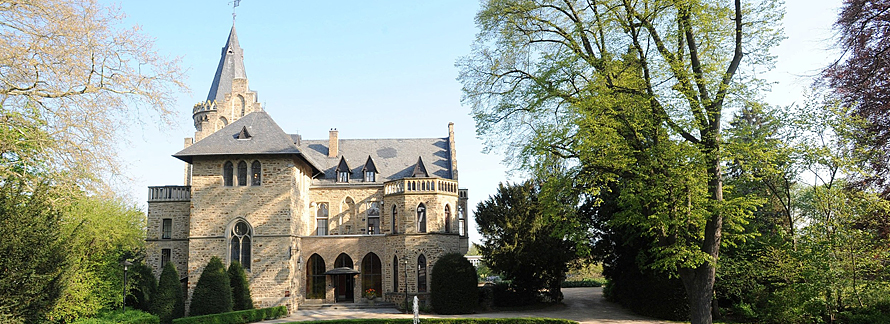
{"x":284,"y":206}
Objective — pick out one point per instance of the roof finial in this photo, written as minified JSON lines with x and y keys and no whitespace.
{"x":234,"y":4}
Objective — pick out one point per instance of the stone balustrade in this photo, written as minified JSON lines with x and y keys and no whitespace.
{"x":420,"y":185}
{"x":169,"y":193}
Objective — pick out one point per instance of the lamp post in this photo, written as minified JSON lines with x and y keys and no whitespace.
{"x":126,"y":265}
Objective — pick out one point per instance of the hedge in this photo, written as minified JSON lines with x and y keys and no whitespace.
{"x":448,"y":321}
{"x":239,"y":317}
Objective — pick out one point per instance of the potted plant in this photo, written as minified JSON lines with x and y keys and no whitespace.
{"x":370,"y":295}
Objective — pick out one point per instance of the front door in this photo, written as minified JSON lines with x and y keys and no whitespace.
{"x":344,"y":285}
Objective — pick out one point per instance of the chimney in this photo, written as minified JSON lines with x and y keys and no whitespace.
{"x":333,"y":144}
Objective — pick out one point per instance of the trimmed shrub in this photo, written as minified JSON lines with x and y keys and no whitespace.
{"x":240,"y":287}
{"x":239,"y":317}
{"x":213,"y":293}
{"x":454,"y":286}
{"x":168,"y":303}
{"x":144,"y":289}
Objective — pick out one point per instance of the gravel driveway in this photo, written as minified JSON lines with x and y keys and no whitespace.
{"x":585,"y":305}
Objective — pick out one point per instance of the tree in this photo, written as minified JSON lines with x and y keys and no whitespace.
{"x":65,"y":59}
{"x":168,"y":304}
{"x":518,"y":241}
{"x":630,"y":91}
{"x":240,"y":287}
{"x":453,"y":286}
{"x":33,"y":256}
{"x":213,"y":293}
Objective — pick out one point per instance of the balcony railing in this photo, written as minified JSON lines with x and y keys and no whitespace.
{"x":169,"y":193}
{"x":420,"y":185}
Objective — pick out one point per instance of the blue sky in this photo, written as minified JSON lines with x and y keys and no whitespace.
{"x":371,"y":69}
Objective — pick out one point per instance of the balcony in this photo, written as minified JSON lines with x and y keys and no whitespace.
{"x":420,"y":185}
{"x":169,"y":193}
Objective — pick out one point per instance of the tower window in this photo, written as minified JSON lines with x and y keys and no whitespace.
{"x":228,"y":171}
{"x":166,"y":228}
{"x":239,"y":244}
{"x":242,"y":173}
{"x":256,"y":170}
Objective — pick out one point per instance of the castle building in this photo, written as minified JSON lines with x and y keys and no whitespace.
{"x":311,"y":221}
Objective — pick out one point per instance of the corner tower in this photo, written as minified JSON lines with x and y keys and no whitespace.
{"x":229,"y":98}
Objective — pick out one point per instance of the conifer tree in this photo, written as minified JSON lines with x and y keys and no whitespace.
{"x":240,"y":287}
{"x":213,"y":293}
{"x":168,"y":303}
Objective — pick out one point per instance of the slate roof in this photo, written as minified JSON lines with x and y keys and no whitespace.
{"x":265,"y":138}
{"x":231,"y":66}
{"x":393,"y":158}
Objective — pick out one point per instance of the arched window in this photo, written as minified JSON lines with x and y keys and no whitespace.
{"x":242,"y":173}
{"x":421,"y":218}
{"x":395,"y":219}
{"x":372,"y":276}
{"x":321,"y":219}
{"x":447,"y":219}
{"x":256,"y":170}
{"x":315,"y":282}
{"x":373,"y":218}
{"x":228,"y":174}
{"x":421,"y":273}
{"x":239,"y":244}
{"x":395,"y":273}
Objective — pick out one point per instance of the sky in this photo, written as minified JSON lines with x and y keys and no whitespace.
{"x":371,"y":69}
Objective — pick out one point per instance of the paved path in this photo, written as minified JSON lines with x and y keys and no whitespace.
{"x":585,"y":305}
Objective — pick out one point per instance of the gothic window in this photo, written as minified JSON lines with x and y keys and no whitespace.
{"x":166,"y":228}
{"x":256,"y":171}
{"x":421,"y":273}
{"x":395,"y":219}
{"x":165,"y":257}
{"x":228,"y":171}
{"x":315,"y":280}
{"x":321,"y":219}
{"x":370,"y":176}
{"x":421,"y":218}
{"x":239,"y":244}
{"x":373,"y":217}
{"x":447,"y":219}
{"x":372,"y":273}
{"x":242,"y":173}
{"x":395,"y":273}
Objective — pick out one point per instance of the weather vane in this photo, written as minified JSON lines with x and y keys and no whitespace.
{"x":234,"y":4}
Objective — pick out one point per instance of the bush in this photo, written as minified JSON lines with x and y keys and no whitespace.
{"x":144,"y":289}
{"x":213,"y":293}
{"x":453,"y":286}
{"x":239,"y":317}
{"x":130,"y":316}
{"x":168,"y":303}
{"x":240,"y":287}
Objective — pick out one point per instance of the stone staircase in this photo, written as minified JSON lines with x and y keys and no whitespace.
{"x":317,"y":305}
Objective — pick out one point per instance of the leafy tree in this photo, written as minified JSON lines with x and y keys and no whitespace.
{"x":65,"y":59}
{"x":518,"y":241}
{"x":213,"y":293}
{"x":240,"y":287}
{"x":145,"y":288}
{"x":168,"y":303}
{"x":453,"y":286}
{"x":33,"y":256}
{"x":629,"y":91}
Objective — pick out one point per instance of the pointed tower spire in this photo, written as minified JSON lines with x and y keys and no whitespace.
{"x":231,"y":66}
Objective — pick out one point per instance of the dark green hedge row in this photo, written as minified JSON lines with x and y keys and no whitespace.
{"x":583,"y":283}
{"x":118,"y":317}
{"x":239,"y":317}
{"x":448,"y":321}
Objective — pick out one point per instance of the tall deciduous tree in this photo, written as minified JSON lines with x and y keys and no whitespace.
{"x":632,"y":91}
{"x":519,"y":242}
{"x":69,"y":68}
